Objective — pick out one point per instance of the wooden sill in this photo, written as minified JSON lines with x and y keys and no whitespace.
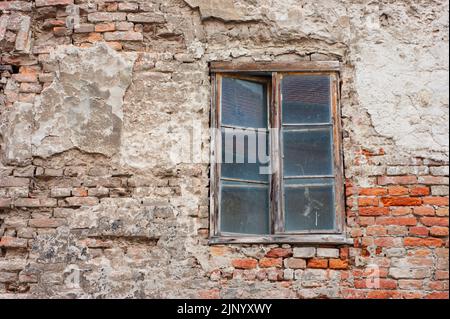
{"x":318,"y":239}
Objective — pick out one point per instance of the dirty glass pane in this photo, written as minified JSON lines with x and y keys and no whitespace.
{"x":306,"y":99}
{"x":309,"y":205}
{"x":307,"y":152}
{"x":244,"y":208}
{"x":245,"y":154}
{"x":244,"y":103}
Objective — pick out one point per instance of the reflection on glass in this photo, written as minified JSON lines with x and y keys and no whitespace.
{"x":244,"y":103}
{"x":306,"y":99}
{"x":244,"y":208}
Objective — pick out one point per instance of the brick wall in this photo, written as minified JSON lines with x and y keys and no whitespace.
{"x":92,"y":204}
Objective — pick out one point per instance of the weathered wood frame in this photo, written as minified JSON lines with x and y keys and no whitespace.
{"x":273,"y":72}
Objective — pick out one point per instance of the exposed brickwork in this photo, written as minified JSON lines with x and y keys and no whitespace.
{"x":136,"y":224}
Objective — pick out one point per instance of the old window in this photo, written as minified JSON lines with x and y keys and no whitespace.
{"x":276,"y":173}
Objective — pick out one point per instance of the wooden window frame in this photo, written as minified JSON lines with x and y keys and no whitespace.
{"x":274,"y":72}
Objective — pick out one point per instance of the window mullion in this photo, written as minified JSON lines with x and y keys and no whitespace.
{"x":275,"y":125}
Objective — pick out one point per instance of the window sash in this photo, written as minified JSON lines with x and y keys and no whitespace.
{"x":276,"y":190}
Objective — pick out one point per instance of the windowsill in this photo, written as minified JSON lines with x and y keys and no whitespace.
{"x":283,"y":239}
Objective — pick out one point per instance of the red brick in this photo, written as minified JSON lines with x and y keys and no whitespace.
{"x":441,"y":274}
{"x":420,"y":191}
{"x":48,"y":3}
{"x":5,"y":202}
{"x":373,"y":211}
{"x":439,"y":231}
{"x":10,"y":181}
{"x":279,"y":252}
{"x":401,"y":201}
{"x":80,"y":192}
{"x":399,"y":180}
{"x":434,"y":221}
{"x":270,"y":262}
{"x":317,"y":263}
{"x":400,"y":211}
{"x":418,"y":231}
{"x":426,"y":242}
{"x":365,"y":221}
{"x":437,"y":201}
{"x":403,"y":221}
{"x":375,"y":191}
{"x":438,"y":295}
{"x":398,"y":190}
{"x":423,"y":211}
{"x":105,"y":27}
{"x":81,"y":201}
{"x":376,"y":230}
{"x":338,"y":264}
{"x":384,"y":242}
{"x":46,"y":222}
{"x":383,"y":294}
{"x":295,"y":263}
{"x":13,"y":242}
{"x":244,"y":263}
{"x":442,"y":211}
{"x":433,"y":180}
{"x":368,"y":201}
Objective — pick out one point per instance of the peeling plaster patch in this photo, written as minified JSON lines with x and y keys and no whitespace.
{"x":226,"y":10}
{"x":82,"y":108}
{"x":17,"y":133}
{"x":411,"y":109}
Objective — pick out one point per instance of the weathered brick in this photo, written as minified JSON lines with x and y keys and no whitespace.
{"x":84,"y":28}
{"x":46,"y":222}
{"x":105,"y":27}
{"x":60,"y":192}
{"x":13,"y":242}
{"x":419,"y":231}
{"x":317,"y":263}
{"x":123,"y":36}
{"x":405,"y":221}
{"x":147,"y":17}
{"x":327,"y":252}
{"x":398,"y":190}
{"x":338,"y":264}
{"x":433,"y":180}
{"x":128,"y":6}
{"x":401,"y":201}
{"x":427,"y":242}
{"x":5,"y":202}
{"x":400,"y":180}
{"x":423,"y":211}
{"x":106,"y":16}
{"x":373,"y":211}
{"x":439,"y":170}
{"x":46,"y":3}
{"x":434,"y":221}
{"x":35,"y":202}
{"x":81,"y":201}
{"x":368,"y":201}
{"x":439,"y":231}
{"x":295,"y":263}
{"x":374,"y":191}
{"x":279,"y":252}
{"x":244,"y":263}
{"x":419,"y":191}
{"x":304,"y":252}
{"x":10,"y":181}
{"x":435,"y":200}
{"x":270,"y":262}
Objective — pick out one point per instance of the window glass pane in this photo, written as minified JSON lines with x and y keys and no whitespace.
{"x":307,"y":152}
{"x":244,"y":103}
{"x":309,"y":207}
{"x":244,"y":208}
{"x":306,"y":99}
{"x":245,"y":154}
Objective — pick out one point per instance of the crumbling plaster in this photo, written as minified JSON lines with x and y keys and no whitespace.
{"x":128,"y":112}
